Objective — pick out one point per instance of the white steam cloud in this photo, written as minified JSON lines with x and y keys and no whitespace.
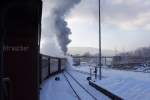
{"x":55,"y":33}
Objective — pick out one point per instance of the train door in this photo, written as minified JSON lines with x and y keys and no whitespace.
{"x":20,"y":22}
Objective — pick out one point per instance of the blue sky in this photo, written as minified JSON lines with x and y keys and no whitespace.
{"x":125,"y":24}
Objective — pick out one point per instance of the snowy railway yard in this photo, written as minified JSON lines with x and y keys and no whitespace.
{"x":73,"y":85}
{"x":128,"y":85}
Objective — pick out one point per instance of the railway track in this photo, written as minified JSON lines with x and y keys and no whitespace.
{"x":80,"y":91}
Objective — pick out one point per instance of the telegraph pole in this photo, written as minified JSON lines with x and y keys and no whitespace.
{"x":100,"y":67}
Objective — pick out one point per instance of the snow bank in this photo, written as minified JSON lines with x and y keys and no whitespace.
{"x":126,"y":84}
{"x":127,"y":88}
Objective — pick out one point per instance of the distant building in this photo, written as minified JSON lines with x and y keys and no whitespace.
{"x":127,"y":61}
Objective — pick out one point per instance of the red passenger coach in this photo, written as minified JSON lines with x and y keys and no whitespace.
{"x":22,"y":67}
{"x":20,"y":23}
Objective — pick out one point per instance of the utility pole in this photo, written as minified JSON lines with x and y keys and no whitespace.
{"x":100,"y":69}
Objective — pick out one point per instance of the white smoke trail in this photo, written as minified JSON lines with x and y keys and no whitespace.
{"x":55,"y":33}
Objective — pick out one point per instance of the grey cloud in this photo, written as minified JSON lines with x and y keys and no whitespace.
{"x":126,"y":14}
{"x":86,"y":10}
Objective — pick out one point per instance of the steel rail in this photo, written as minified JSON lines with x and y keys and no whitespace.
{"x":82,"y":86}
{"x":72,"y":87}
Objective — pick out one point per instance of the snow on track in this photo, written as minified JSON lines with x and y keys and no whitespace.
{"x":81,"y":78}
{"x":83,"y":94}
{"x":127,"y":84}
{"x":61,"y":90}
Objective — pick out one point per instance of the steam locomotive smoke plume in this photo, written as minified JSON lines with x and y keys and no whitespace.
{"x":54,"y":24}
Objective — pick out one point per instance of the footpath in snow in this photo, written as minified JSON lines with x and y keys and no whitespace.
{"x":126,"y":84}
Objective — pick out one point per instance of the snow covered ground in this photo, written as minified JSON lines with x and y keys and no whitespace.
{"x":82,"y":79}
{"x":60,"y":90}
{"x":56,"y":90}
{"x":126,"y":84}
